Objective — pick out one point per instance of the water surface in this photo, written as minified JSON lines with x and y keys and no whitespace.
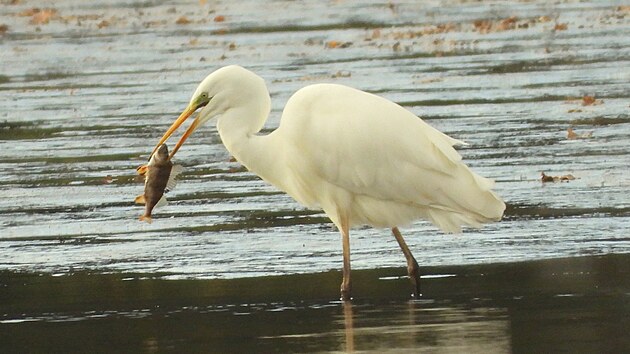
{"x":87,"y":94}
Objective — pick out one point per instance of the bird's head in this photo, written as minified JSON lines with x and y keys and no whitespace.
{"x":226,"y":88}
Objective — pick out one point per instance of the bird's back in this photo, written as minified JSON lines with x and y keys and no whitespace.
{"x":352,"y":152}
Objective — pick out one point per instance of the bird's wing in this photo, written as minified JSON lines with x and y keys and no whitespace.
{"x":372,"y":147}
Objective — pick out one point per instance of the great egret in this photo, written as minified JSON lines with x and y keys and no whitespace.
{"x":361,"y":158}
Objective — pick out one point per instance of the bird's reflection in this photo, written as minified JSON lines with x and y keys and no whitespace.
{"x":348,"y":320}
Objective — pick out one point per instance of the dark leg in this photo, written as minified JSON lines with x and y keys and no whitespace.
{"x":346,"y":284}
{"x":412,"y":266}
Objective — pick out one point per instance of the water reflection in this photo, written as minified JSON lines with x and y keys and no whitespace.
{"x":414,"y":325}
{"x":348,"y":321}
{"x":564,"y":305}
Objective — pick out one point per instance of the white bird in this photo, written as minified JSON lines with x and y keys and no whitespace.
{"x":359,"y":157}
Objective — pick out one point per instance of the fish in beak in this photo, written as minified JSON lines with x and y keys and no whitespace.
{"x":160,"y":176}
{"x":200,"y":101}
{"x":194,"y":105}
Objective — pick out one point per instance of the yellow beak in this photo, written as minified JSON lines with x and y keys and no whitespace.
{"x":182,"y":118}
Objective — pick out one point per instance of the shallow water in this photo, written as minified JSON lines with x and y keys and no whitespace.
{"x":579,"y":304}
{"x":85,"y":102}
{"x":88,"y":94}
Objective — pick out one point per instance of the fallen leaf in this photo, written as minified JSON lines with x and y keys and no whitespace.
{"x":337,"y":44}
{"x":560,"y":27}
{"x":42,"y":17}
{"x":103,"y":24}
{"x":29,"y":12}
{"x":588,"y":100}
{"x":564,"y":178}
{"x":544,"y":178}
{"x":3,"y":29}
{"x":219,"y":18}
{"x":482,"y":26}
{"x":572,"y":135}
{"x":544,"y":19}
{"x":182,"y":21}
{"x":507,"y":24}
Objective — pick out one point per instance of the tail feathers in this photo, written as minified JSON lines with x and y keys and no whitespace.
{"x":471,"y":195}
{"x":452,"y":221}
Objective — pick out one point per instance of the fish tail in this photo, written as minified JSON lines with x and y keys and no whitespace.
{"x":145,"y":218}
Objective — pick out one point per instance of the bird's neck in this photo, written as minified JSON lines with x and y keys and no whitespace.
{"x":239,"y":130}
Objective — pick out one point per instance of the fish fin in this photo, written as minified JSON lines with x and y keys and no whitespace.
{"x":175,"y":171}
{"x":140,"y":199}
{"x":145,"y":218}
{"x":162,"y":202}
{"x":142,"y":170}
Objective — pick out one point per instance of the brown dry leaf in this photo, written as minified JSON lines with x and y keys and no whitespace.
{"x":219,"y":18}
{"x":588,"y":100}
{"x":337,"y":44}
{"x":564,"y":178}
{"x":232,"y":46}
{"x":482,"y":26}
{"x":544,"y":19}
{"x":560,"y":27}
{"x":182,"y":21}
{"x":332,"y":44}
{"x":103,"y":24}
{"x":507,"y":24}
{"x":3,"y":29}
{"x":42,"y":17}
{"x":544,"y":178}
{"x":29,"y":12}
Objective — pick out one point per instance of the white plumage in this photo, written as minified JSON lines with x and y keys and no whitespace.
{"x":361,"y":158}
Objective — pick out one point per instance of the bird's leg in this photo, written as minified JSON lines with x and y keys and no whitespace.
{"x":412,"y":266}
{"x":346,"y":284}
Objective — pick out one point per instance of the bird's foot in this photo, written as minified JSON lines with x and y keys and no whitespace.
{"x":345,"y":293}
